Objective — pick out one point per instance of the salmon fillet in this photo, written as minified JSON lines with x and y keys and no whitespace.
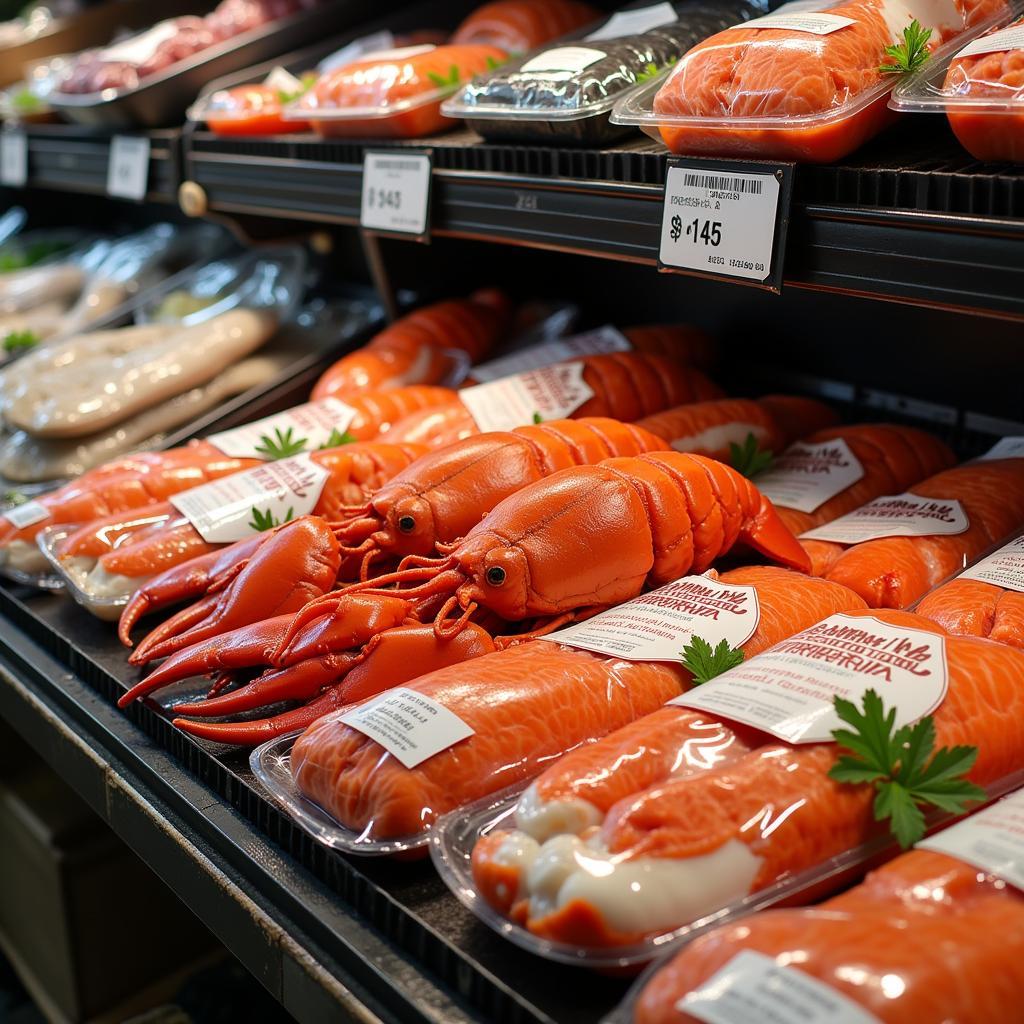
{"x":895,"y":571}
{"x":773,"y":811}
{"x":925,"y":938}
{"x":976,"y":608}
{"x":517,"y":26}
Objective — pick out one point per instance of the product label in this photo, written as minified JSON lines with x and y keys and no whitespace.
{"x":805,"y":476}
{"x":604,"y":339}
{"x":408,"y":725}
{"x":13,"y":159}
{"x":1011,"y":38}
{"x":1003,"y":568}
{"x":396,"y":192}
{"x":628,"y":23}
{"x":941,"y":16}
{"x":895,"y":515}
{"x":753,"y":987}
{"x":26,"y":514}
{"x":1007,"y":448}
{"x":657,"y":626}
{"x":567,"y":59}
{"x":236,"y":506}
{"x":138,"y":48}
{"x":376,"y":42}
{"x":550,"y":393}
{"x":310,"y":426}
{"x":283,"y":81}
{"x":788,"y":690}
{"x":128,"y":169}
{"x":992,"y":839}
{"x":402,"y":53}
{"x":815,"y":24}
{"x":719,"y":222}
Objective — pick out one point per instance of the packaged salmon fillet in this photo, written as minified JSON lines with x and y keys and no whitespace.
{"x":934,"y":935}
{"x":566,"y":92}
{"x":255,"y":109}
{"x":724,"y":801}
{"x":516,"y":26}
{"x":392,"y":93}
{"x":798,"y":84}
{"x":980,"y":89}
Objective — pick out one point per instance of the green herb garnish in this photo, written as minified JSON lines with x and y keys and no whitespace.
{"x":11,"y":499}
{"x":704,"y":662}
{"x":281,"y":446}
{"x":652,"y":71}
{"x":18,"y":341}
{"x":902,"y":764}
{"x":17,"y":257}
{"x":265,"y":520}
{"x":901,"y":58}
{"x":749,"y":458}
{"x":537,"y":418}
{"x":441,"y":81}
{"x":337,"y":439}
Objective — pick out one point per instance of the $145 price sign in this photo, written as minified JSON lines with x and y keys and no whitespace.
{"x":396,"y":192}
{"x":726,"y":219}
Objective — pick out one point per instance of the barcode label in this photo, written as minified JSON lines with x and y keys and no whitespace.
{"x":722,"y":184}
{"x":384,"y":164}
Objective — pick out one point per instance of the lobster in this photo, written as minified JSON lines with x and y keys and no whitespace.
{"x":116,"y":553}
{"x":413,"y":349}
{"x":626,"y":386}
{"x":443,"y":493}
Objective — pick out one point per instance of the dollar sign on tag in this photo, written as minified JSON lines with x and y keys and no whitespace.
{"x":677,"y":227}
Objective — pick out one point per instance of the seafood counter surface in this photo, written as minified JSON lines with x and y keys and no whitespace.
{"x":221,"y":845}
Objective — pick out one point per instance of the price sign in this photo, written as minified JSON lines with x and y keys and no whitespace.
{"x":128,"y":169}
{"x":13,"y":159}
{"x":726,"y":219}
{"x":396,"y":192}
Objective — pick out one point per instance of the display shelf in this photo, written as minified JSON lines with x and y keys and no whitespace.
{"x":72,"y":158}
{"x":910,"y":218}
{"x":377,"y":939}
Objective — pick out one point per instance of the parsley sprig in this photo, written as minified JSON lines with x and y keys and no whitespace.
{"x":537,"y":418}
{"x":17,"y":341}
{"x":652,"y":71}
{"x":442,"y":81}
{"x":749,"y":458}
{"x":704,"y":662}
{"x":338,"y":438}
{"x":903,"y":765}
{"x":262,"y":521}
{"x":909,"y":55}
{"x":282,"y":445}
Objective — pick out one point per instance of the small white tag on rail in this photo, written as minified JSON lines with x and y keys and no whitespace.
{"x":128,"y":169}
{"x":396,"y":192}
{"x":13,"y":159}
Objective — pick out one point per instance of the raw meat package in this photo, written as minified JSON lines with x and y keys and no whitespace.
{"x":980,"y":90}
{"x":566,"y":92}
{"x":254,"y":109}
{"x":799,"y":85}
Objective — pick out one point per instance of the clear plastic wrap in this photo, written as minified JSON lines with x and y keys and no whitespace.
{"x":253,"y":109}
{"x":980,"y":88}
{"x":796,"y":84}
{"x":681,"y":820}
{"x":927,"y":937}
{"x":393,"y":94}
{"x":566,"y":92}
{"x":516,"y":26}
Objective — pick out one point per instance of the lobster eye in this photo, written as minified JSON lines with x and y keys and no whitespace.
{"x":495,"y":575}
{"x":406,"y":524}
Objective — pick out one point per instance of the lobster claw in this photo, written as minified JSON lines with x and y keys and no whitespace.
{"x":390,"y":659}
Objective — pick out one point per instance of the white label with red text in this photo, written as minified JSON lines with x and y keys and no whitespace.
{"x":805,"y":476}
{"x":312,"y":425}
{"x":754,"y":987}
{"x":603,"y":340}
{"x":992,"y":839}
{"x":550,"y":393}
{"x":788,"y":690}
{"x":657,"y":626}
{"x":237,"y":506}
{"x":1003,"y":568}
{"x":408,"y":725}
{"x":895,"y":515}
{"x":26,"y":514}
{"x":1005,"y":448}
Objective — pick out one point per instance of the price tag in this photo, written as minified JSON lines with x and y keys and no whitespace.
{"x":726,"y":219}
{"x":128,"y":170}
{"x":396,"y":192}
{"x":13,"y":159}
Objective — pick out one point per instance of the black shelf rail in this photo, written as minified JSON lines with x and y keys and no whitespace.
{"x":74,"y":159}
{"x":944,"y":231}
